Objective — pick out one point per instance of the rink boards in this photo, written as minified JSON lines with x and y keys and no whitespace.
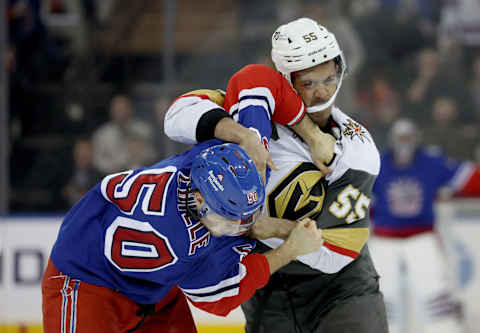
{"x":25,"y":244}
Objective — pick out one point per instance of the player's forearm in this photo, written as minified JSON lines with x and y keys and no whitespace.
{"x":279,"y":257}
{"x":308,"y":130}
{"x":268,"y":227}
{"x":229,"y":130}
{"x":284,"y":227}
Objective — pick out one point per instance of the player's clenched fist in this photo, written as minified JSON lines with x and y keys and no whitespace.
{"x":304,"y":238}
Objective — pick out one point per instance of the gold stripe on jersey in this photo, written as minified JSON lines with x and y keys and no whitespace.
{"x":299,"y":194}
{"x":348,"y":238}
{"x":217,"y":96}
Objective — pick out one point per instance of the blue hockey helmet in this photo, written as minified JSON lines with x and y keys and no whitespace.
{"x":229,"y":182}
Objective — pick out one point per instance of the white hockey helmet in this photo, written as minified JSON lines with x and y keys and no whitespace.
{"x":303,"y":44}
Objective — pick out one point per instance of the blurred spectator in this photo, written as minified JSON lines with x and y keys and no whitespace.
{"x":429,"y":82}
{"x":426,"y":12}
{"x":395,"y":36}
{"x":460,"y":28}
{"x":455,"y":138}
{"x":84,"y":175}
{"x":124,"y":142}
{"x":382,"y":107}
{"x":28,"y":35}
{"x":406,"y":253}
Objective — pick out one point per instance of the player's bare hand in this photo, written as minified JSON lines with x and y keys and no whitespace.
{"x":257,"y":152}
{"x":304,"y":238}
{"x":322,"y":151}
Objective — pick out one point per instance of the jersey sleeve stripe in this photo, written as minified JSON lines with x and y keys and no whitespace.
{"x":232,"y":281}
{"x":216,"y":96}
{"x":298,"y":117}
{"x":462,"y":176}
{"x":213,"y":297}
{"x":350,"y":239}
{"x":259,"y":92}
{"x":257,"y":275}
{"x":233,"y":109}
{"x":327,"y":260}
{"x":341,"y":250}
{"x":262,"y":101}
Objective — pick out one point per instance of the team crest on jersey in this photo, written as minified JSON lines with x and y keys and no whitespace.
{"x":354,"y":129}
{"x":300,"y":194}
{"x":405,"y":197}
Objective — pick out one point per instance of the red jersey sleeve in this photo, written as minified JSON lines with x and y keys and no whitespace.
{"x":262,"y":85}
{"x":257,"y":276}
{"x":471,"y":185}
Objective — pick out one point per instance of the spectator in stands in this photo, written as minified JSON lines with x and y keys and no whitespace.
{"x":405,"y":251}
{"x":455,"y":138}
{"x":124,"y":142}
{"x":459,"y":30}
{"x":381,"y":108}
{"x":84,"y":175}
{"x":395,"y":36}
{"x":430,"y":82}
{"x":28,"y":35}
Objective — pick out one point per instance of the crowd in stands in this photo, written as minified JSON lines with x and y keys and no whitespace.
{"x":418,"y":59}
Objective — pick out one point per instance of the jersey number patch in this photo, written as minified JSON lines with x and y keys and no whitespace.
{"x":134,"y":246}
{"x":125,"y":190}
{"x":351,"y":205}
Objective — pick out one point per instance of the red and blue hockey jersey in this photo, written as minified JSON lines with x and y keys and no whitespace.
{"x":404,"y":196}
{"x":132,"y":233}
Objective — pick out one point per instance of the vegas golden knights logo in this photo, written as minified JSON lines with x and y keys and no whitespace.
{"x":299,"y":194}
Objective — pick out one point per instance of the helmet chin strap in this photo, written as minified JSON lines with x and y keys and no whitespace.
{"x":326,"y":105}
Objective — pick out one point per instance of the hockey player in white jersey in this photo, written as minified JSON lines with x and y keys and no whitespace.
{"x":335,"y":289}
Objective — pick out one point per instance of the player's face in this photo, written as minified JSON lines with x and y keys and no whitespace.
{"x":316,"y":85}
{"x":404,"y":148}
{"x":221,"y":226}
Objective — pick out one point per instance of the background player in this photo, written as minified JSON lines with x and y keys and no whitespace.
{"x":419,"y":297}
{"x":336,"y":288}
{"x":123,"y":249}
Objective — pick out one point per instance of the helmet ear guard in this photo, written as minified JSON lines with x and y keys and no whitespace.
{"x":303,"y":44}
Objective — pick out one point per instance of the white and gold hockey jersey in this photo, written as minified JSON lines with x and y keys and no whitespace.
{"x":339,"y":202}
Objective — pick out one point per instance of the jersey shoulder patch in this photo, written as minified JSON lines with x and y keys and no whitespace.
{"x":359,"y":151}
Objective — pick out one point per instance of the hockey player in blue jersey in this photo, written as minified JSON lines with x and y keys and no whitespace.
{"x":136,"y":243}
{"x":405,"y":249}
